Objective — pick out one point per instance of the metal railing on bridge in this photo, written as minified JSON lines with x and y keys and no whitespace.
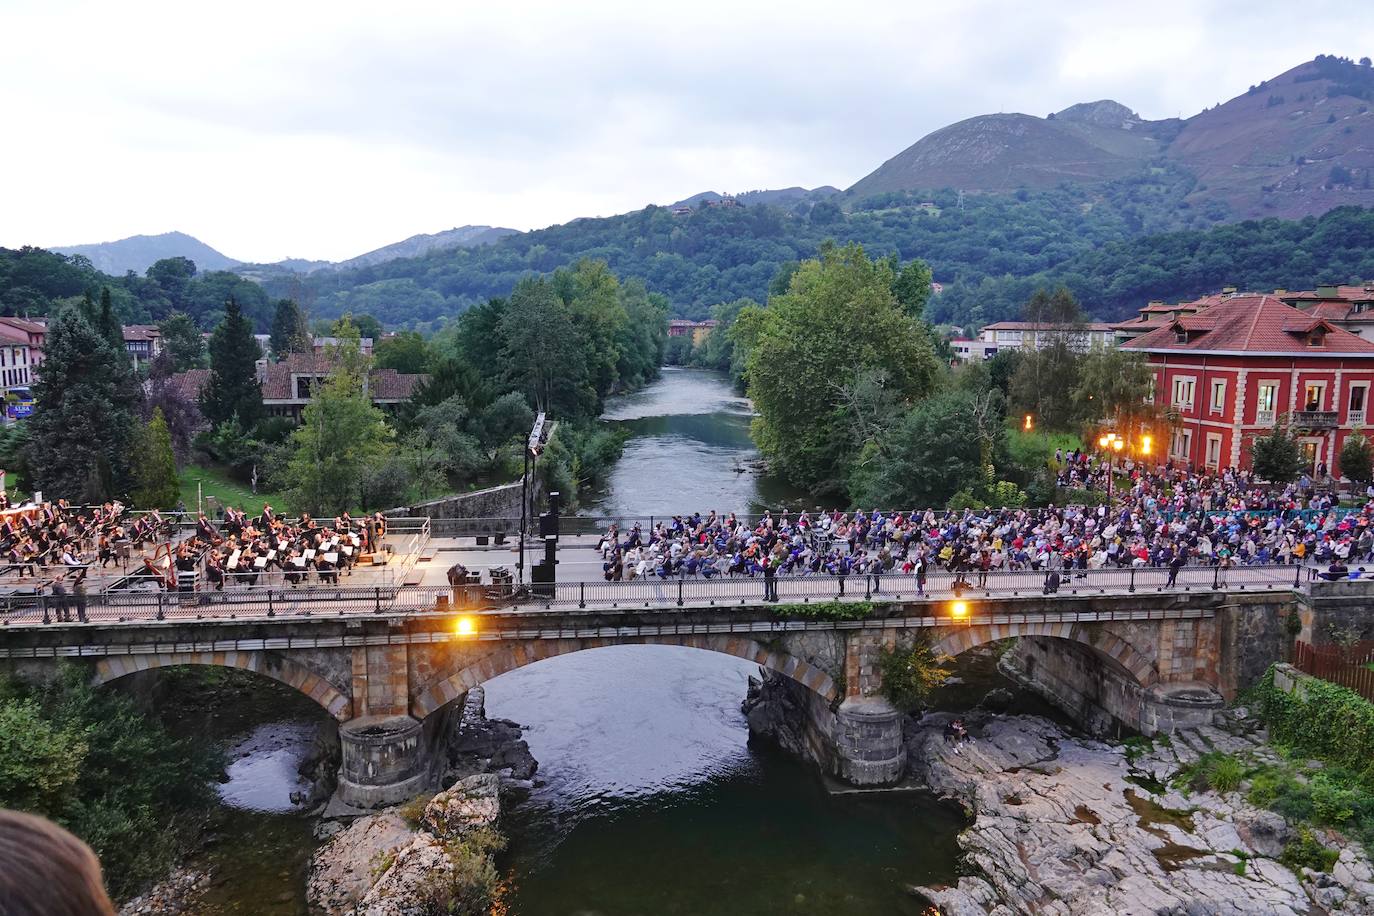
{"x":267,"y":602}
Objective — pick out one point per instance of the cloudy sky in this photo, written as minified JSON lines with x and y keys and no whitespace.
{"x":322,"y":130}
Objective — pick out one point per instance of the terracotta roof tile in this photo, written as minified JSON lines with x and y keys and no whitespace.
{"x":1253,"y":324}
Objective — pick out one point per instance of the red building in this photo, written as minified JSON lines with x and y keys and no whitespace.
{"x":1231,"y":370}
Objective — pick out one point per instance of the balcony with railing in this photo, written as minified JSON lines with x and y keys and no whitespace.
{"x":1355,"y":417}
{"x":1314,"y":419}
{"x":1264,"y":417}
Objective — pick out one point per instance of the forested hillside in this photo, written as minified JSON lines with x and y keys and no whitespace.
{"x":719,"y":254}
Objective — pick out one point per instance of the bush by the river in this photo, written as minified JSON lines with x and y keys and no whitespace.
{"x":87,"y":758}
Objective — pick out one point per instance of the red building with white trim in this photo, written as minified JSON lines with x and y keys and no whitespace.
{"x":1231,"y":370}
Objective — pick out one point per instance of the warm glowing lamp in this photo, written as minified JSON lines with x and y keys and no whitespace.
{"x":465,"y":626}
{"x":959,"y":608}
{"x":1118,"y":444}
{"x":1030,"y":423}
{"x":1144,"y":445}
{"x":1102,"y":441}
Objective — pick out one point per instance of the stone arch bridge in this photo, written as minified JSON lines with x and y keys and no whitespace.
{"x":1149,"y":662}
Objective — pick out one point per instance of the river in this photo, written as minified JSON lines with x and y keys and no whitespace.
{"x":649,"y":797}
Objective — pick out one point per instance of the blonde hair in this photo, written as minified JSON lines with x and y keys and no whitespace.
{"x":46,"y":871}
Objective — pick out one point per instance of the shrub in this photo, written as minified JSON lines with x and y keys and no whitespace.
{"x":1215,"y":770}
{"x":1306,"y":851}
{"x":910,"y":672}
{"x":1328,"y":722}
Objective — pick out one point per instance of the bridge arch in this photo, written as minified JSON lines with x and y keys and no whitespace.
{"x":1103,"y":642}
{"x":518,"y":654}
{"x":269,"y":665}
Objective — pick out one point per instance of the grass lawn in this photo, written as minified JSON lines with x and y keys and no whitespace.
{"x":215,"y":482}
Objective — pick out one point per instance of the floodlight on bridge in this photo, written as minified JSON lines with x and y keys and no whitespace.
{"x":465,"y":626}
{"x":959,"y":609}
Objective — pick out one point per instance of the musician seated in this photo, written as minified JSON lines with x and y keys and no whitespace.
{"x":295,"y":569}
{"x":206,"y":531}
{"x":214,"y":571}
{"x":327,"y":571}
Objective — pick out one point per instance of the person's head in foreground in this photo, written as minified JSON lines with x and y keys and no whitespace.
{"x":46,"y":871}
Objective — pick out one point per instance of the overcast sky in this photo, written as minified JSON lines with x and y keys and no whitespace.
{"x":322,"y":130}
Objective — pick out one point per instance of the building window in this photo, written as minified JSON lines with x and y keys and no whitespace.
{"x":1218,"y":395}
{"x":1313,"y":395}
{"x":1182,"y":448}
{"x":1266,"y":403}
{"x":1214,"y":451}
{"x":1183,"y":392}
{"x":1355,"y":410}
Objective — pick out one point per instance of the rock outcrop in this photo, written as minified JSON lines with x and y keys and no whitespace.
{"x":775,"y":712}
{"x":482,"y":745}
{"x":1068,"y":826}
{"x":383,"y":866}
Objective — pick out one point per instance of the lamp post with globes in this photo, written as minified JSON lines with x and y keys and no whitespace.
{"x":1113,"y":445}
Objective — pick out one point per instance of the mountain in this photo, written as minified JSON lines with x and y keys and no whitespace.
{"x":416,"y":245}
{"x":786,"y":198}
{"x":1297,"y":145}
{"x":139,"y":252}
{"x":413,"y":247}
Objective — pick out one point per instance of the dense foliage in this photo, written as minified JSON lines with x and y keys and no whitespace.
{"x":88,"y":759}
{"x":910,"y":671}
{"x":823,"y":357}
{"x":81,"y":438}
{"x":719,"y":254}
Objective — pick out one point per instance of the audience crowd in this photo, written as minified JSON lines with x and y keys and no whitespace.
{"x":1159,"y":518}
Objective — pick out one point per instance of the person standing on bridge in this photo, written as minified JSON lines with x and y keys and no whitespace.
{"x":1179,"y":559}
{"x":770,"y":580}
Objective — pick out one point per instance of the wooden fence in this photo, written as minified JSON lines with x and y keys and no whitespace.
{"x":1348,"y":666}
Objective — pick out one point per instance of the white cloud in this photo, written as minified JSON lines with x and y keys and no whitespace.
{"x":322,"y":130}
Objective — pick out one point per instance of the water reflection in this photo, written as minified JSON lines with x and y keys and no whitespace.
{"x":653,"y":802}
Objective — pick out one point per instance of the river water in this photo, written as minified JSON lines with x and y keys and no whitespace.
{"x":649,"y":798}
{"x":689,"y":449}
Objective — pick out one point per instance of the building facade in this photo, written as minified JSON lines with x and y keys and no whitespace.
{"x":1238,"y":367}
{"x":1030,"y":335}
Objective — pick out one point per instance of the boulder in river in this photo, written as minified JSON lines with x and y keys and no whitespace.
{"x":472,"y":802}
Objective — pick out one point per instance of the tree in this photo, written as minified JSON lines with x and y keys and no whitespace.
{"x":366,"y":326}
{"x":233,"y":392}
{"x":156,"y":470}
{"x":182,"y":341}
{"x":911,"y":287}
{"x":1113,"y":385}
{"x":931,"y":452}
{"x":173,"y":277}
{"x":290,"y":333}
{"x":82,"y":429}
{"x":541,"y":351}
{"x":1356,"y":457}
{"x":837,"y":320}
{"x":406,"y":352}
{"x":1276,"y":456}
{"x":342,"y":436}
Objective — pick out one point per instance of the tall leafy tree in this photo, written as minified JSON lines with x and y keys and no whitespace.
{"x":837,"y":319}
{"x":911,"y":286}
{"x":406,"y":352}
{"x":341,"y":437}
{"x":542,"y":353}
{"x":1276,"y":456}
{"x":182,"y":341}
{"x":233,"y":392}
{"x":1356,"y":457}
{"x":155,"y":475}
{"x":82,"y":430}
{"x":173,"y":277}
{"x":290,"y":332}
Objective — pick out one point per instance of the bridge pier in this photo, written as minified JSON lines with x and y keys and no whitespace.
{"x":385,"y":761}
{"x":867,"y":735}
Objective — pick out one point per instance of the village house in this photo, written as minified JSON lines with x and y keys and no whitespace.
{"x":1235,"y":368}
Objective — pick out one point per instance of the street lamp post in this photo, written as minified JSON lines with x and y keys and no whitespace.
{"x":1112,"y":444}
{"x":532,"y":450}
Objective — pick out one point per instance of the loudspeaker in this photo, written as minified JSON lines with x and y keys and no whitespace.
{"x":551,"y":549}
{"x":542,"y":580}
{"x":548,"y":525}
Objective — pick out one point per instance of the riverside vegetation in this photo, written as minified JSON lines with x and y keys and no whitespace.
{"x":91,"y":760}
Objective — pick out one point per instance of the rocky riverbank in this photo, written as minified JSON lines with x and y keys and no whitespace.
{"x":431,"y":854}
{"x":1065,"y":825}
